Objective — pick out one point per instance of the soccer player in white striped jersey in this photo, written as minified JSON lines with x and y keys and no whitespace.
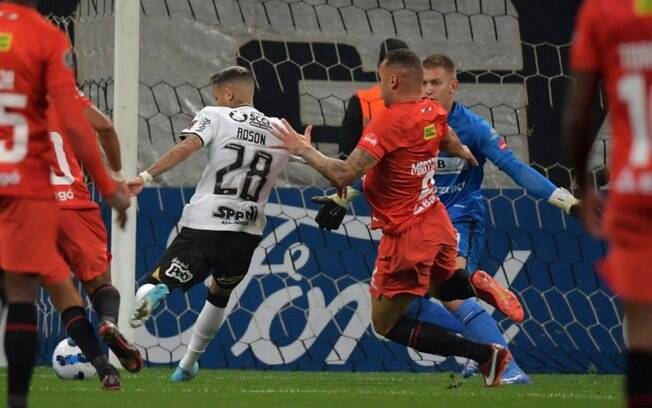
{"x":223,"y":223}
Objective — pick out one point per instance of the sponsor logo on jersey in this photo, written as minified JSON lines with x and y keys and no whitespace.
{"x":424,"y":167}
{"x":5,"y":42}
{"x":502,"y":145}
{"x":200,"y":126}
{"x":64,"y":195}
{"x":370,"y":138}
{"x":251,"y":136}
{"x":260,"y":121}
{"x":450,"y":189}
{"x":231,"y":216}
{"x":9,"y":179}
{"x":643,"y":7}
{"x":238,"y":116}
{"x":7,"y":79}
{"x":179,"y":271}
{"x":633,"y":182}
{"x":429,"y":132}
{"x":425,"y":204}
{"x":450,"y":165}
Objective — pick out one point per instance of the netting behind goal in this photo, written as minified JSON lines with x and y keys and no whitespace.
{"x":305,"y":302}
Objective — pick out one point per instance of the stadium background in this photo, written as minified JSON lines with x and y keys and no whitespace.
{"x":304,"y":304}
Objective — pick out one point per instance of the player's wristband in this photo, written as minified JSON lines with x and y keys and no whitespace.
{"x":147,"y":178}
{"x":563,"y":199}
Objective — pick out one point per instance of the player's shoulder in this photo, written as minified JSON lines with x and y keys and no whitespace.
{"x":465,"y":116}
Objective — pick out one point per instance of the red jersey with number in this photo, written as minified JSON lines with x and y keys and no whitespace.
{"x":614,"y":39}
{"x":404,"y":138}
{"x":67,"y":176}
{"x":35,"y":58}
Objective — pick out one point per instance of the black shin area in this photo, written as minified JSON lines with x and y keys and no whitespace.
{"x":456,"y":287}
{"x":428,"y":338}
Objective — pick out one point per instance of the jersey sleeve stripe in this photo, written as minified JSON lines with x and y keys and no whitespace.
{"x":183,"y":136}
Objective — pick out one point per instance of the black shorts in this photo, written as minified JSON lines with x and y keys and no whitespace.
{"x":194,"y":254}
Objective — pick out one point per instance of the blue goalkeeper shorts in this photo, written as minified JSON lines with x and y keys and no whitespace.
{"x":470,"y":240}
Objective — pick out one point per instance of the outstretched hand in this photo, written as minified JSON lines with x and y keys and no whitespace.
{"x":135,"y":185}
{"x":294,"y":142}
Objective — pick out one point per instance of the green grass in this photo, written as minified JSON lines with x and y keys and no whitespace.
{"x":263,"y":389}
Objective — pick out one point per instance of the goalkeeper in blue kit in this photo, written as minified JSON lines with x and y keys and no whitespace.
{"x":459,"y":188}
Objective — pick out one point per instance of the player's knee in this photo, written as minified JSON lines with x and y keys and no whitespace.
{"x":382,"y":325}
{"x":219,"y":298}
{"x":97,"y":282}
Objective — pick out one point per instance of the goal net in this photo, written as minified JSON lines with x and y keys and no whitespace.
{"x":305,"y":303}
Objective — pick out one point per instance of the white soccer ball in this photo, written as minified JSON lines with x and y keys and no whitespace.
{"x":69,"y":363}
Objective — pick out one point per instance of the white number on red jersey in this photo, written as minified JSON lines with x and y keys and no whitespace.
{"x":66,"y":178}
{"x":18,"y":150}
{"x":632,"y":90}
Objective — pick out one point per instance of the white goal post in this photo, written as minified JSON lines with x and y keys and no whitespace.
{"x":125,"y":118}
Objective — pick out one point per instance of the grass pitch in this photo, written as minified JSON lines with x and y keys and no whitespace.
{"x":264,"y":389}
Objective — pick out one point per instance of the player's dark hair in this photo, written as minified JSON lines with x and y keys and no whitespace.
{"x":408,"y":60}
{"x":232,"y":73}
{"x":440,"y":61}
{"x":388,"y":45}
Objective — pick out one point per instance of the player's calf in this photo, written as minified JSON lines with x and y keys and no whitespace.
{"x":432,"y":339}
{"x":106,"y":301}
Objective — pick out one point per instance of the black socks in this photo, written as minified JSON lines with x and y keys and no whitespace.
{"x":428,"y":338}
{"x":20,"y":348}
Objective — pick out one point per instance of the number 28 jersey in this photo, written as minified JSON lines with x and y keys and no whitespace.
{"x":243,"y":164}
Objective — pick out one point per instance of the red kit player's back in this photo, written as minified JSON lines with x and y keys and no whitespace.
{"x":614,"y":38}
{"x":27,"y":40}
{"x":67,"y":175}
{"x":405,"y":139}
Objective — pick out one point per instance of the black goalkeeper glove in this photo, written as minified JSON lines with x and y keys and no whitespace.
{"x":333,"y":208}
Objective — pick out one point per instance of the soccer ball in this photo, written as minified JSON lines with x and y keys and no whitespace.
{"x":69,"y":363}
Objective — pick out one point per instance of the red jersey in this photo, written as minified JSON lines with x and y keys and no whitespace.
{"x":404,"y":138}
{"x":35,"y":57}
{"x":614,"y":39}
{"x":67,"y":177}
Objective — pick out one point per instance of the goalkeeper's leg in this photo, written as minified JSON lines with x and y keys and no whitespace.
{"x":207,"y":324}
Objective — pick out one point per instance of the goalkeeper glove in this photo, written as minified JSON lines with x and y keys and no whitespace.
{"x":563,"y":199}
{"x":333,"y":208}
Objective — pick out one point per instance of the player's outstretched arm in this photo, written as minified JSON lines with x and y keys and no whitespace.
{"x":451,"y":144}
{"x":341,"y":173}
{"x":495,"y":149}
{"x":108,"y":138}
{"x":177,"y":154}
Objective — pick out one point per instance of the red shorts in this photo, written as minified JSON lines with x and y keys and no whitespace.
{"x":627,"y":266}
{"x":28,"y":235}
{"x":83,"y":242}
{"x":409,"y":261}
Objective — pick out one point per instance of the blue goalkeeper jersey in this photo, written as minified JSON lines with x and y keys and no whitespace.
{"x":459,"y":184}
